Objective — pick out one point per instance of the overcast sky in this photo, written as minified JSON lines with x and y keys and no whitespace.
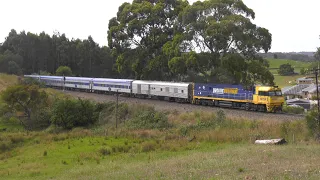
{"x":293,"y":23}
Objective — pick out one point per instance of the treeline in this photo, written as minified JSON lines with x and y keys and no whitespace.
{"x":211,"y":41}
{"x":27,"y":53}
{"x":303,"y":56}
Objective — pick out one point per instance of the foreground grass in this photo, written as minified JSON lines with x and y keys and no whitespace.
{"x":194,"y":148}
{"x":80,"y":158}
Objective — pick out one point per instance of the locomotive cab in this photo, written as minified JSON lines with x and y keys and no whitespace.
{"x":269,"y":96}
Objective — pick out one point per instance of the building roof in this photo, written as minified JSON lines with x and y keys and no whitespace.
{"x":292,"y":101}
{"x":304,"y":78}
{"x":311,"y":89}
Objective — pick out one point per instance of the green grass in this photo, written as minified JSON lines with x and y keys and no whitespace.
{"x":297,"y":65}
{"x":283,"y":81}
{"x":79,"y":158}
{"x":223,"y":151}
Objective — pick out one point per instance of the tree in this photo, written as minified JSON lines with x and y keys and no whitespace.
{"x":275,"y":56}
{"x":286,"y":69}
{"x":35,"y":53}
{"x":28,"y":99}
{"x":11,"y":63}
{"x":223,"y":28}
{"x":63,"y":71}
{"x":138,"y":34}
{"x":303,"y":71}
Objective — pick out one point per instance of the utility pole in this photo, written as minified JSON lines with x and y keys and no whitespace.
{"x":64,"y":83}
{"x":317,"y":87}
{"x":117,"y":109}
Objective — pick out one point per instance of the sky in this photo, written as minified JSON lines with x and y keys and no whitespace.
{"x":293,"y":23}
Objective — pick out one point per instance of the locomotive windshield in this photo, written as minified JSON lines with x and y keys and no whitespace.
{"x":270,"y":93}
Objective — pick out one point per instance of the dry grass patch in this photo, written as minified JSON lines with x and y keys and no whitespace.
{"x":233,"y":162}
{"x":7,"y":80}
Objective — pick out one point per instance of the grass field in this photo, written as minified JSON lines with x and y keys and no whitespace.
{"x":198,"y":145}
{"x":283,"y":81}
{"x":83,"y":154}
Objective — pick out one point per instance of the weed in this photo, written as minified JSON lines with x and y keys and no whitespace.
{"x":45,"y":153}
{"x":148,"y":146}
{"x":240,"y":170}
{"x":105,"y":151}
{"x":4,"y":147}
{"x":16,"y":139}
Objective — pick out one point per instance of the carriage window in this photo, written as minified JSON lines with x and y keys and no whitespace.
{"x":160,"y":89}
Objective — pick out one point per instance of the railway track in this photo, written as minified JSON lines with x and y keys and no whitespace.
{"x":165,"y":105}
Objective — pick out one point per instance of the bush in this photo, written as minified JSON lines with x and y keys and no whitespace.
{"x":31,"y":81}
{"x":105,"y":151}
{"x":294,"y":110}
{"x":64,"y":71}
{"x":40,"y":119}
{"x":70,"y":113}
{"x":148,"y":118}
{"x":313,"y":123}
{"x":286,"y":69}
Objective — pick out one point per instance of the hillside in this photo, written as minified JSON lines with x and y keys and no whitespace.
{"x":7,"y":80}
{"x":283,"y":81}
{"x":192,"y":145}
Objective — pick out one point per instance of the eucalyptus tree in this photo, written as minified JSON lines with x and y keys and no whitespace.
{"x":138,"y":33}
{"x":223,"y":30}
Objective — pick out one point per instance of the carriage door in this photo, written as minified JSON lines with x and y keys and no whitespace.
{"x":139,"y":88}
{"x":149,"y":89}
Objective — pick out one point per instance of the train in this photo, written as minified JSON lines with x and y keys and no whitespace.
{"x":257,"y":98}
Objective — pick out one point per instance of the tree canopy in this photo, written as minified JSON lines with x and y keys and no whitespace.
{"x":178,"y":41}
{"x":29,"y":53}
{"x":286,"y":69}
{"x":64,"y":71}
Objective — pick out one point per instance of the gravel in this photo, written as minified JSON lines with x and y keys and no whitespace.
{"x":165,"y":105}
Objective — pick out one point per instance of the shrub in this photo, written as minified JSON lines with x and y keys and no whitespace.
{"x":63,"y":71}
{"x":313,"y":123}
{"x":148,"y":118}
{"x":294,"y":110}
{"x":70,"y":113}
{"x":40,"y":119}
{"x":148,"y":146}
{"x":4,"y":147}
{"x":105,"y":151}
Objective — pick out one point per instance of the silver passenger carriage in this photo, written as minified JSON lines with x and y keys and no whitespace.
{"x":112,"y":85}
{"x":82,"y":83}
{"x":175,"y":91}
{"x":52,"y":81}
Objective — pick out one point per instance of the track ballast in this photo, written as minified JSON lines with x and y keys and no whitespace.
{"x":180,"y":107}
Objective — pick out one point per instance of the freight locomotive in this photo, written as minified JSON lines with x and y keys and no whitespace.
{"x":258,"y":98}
